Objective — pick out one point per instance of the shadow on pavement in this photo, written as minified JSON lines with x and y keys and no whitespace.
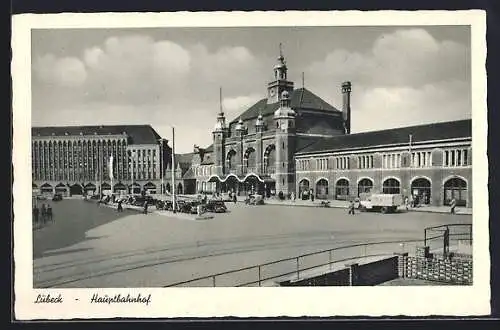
{"x":72,"y":218}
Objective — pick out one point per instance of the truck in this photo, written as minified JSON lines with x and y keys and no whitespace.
{"x":385,"y":203}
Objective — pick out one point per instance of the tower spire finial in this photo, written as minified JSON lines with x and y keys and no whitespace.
{"x":303,"y":79}
{"x":220,"y":99}
{"x":281,"y":50}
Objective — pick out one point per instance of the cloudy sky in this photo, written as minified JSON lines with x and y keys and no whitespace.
{"x":171,"y":76}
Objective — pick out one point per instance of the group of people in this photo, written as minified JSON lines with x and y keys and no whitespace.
{"x":42,"y":214}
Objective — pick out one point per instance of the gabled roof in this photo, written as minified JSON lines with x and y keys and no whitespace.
{"x":301,"y":98}
{"x":420,"y":133}
{"x":139,"y":134}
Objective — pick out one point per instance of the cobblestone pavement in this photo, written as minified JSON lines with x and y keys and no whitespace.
{"x":95,"y":246}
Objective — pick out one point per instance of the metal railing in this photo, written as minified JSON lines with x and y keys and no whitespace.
{"x":460,"y":231}
{"x":292,"y":268}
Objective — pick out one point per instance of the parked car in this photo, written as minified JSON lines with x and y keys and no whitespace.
{"x":216,"y":206}
{"x":57,"y":197}
{"x":255,"y":200}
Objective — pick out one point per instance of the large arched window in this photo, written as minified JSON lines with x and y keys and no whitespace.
{"x":365,"y":186}
{"x":231,"y":160}
{"x":391,"y":186}
{"x":322,"y":189}
{"x":342,"y":189}
{"x":250,"y":161}
{"x":270,"y":159}
{"x":455,"y":188}
{"x":421,"y":191}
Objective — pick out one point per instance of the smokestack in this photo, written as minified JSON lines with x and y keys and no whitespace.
{"x":346,"y":106}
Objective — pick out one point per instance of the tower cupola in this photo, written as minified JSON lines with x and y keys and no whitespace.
{"x":240,"y":127}
{"x":284,"y":109}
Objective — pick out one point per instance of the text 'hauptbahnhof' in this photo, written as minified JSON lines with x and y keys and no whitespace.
{"x":291,"y":141}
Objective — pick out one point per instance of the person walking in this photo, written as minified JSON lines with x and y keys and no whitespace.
{"x":453,"y":204}
{"x":49,"y":212}
{"x":407,"y":203}
{"x":36,"y":212}
{"x":145,"y":207}
{"x":312,"y":195}
{"x":234,"y":198}
{"x":119,"y":207}
{"x":44,"y":213}
{"x":351,"y":207}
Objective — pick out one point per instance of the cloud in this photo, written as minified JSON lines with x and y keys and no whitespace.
{"x":410,"y":57}
{"x":402,"y":106}
{"x":64,"y":72}
{"x":406,"y":77}
{"x":234,"y":106}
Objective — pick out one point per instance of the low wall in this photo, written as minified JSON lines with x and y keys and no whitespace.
{"x":377,"y":272}
{"x":372,"y":273}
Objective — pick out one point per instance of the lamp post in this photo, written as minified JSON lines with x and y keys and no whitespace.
{"x":161,"y":168}
{"x":173,"y":169}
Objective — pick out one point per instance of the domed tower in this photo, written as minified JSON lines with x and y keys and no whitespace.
{"x":280,"y":82}
{"x":285,"y":139}
{"x":219,"y":134}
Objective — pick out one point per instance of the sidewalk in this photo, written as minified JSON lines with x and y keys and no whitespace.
{"x":345,"y":204}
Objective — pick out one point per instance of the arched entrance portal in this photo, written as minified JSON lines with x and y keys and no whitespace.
{"x":304,"y":189}
{"x":252,"y":185}
{"x":46,"y":189}
{"x":455,"y":188}
{"x":421,"y":191}
{"x":135,"y":188}
{"x":106,"y":188}
{"x":76,"y":189}
{"x":150,"y":188}
{"x":342,"y":189}
{"x":365,"y":187}
{"x":391,"y":186}
{"x":232,"y":184}
{"x":62,"y":189}
{"x":120,"y":188}
{"x":322,"y":189}
{"x":90,"y":189}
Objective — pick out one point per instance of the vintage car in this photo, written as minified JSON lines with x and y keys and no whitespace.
{"x":215,"y":206}
{"x":57,"y":197}
{"x":255,"y":200}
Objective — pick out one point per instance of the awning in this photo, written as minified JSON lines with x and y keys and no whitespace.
{"x":216,"y":178}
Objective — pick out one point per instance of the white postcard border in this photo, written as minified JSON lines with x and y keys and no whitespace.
{"x":249,"y":302}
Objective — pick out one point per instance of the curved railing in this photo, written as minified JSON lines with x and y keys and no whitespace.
{"x":294,"y":267}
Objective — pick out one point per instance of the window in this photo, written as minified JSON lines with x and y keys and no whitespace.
{"x":455,"y":158}
{"x":365,"y":162}
{"x":421,"y":159}
{"x":391,"y":160}
{"x":322,"y":164}
{"x":342,"y":163}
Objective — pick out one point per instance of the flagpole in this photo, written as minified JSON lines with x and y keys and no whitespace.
{"x":173,"y":169}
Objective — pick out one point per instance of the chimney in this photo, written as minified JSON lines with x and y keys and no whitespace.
{"x":346,"y":106}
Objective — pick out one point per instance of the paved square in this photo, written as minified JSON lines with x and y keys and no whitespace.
{"x":94,"y":246}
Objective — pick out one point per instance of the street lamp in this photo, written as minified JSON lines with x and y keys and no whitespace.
{"x":161,"y":168}
{"x":173,"y":169}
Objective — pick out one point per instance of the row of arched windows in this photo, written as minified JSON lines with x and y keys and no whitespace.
{"x":420,"y":189}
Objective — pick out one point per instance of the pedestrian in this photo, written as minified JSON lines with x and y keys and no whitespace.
{"x":44,"y":213}
{"x":145,"y":207}
{"x":120,"y":207}
{"x":234,"y":198}
{"x":312,"y":195}
{"x":293,"y":196}
{"x":351,"y":207}
{"x":49,"y":212}
{"x":407,"y":203}
{"x":453,"y":204}
{"x":35,"y":214}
